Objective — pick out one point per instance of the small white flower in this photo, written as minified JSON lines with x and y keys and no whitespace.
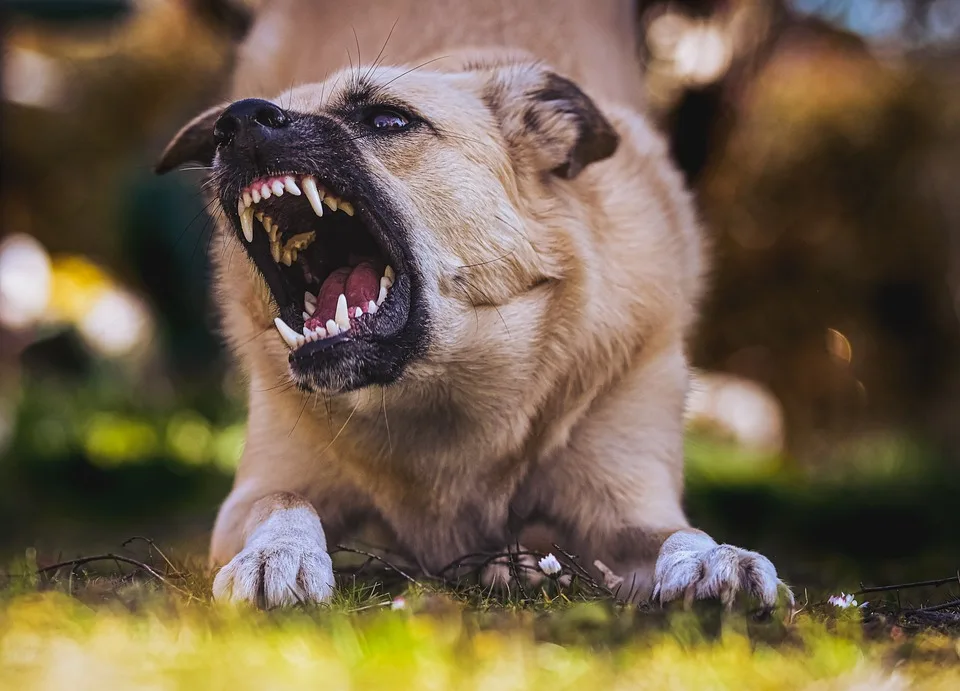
{"x":549,"y":565}
{"x":398,"y":603}
{"x":843,"y":600}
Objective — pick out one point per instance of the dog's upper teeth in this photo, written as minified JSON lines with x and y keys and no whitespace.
{"x":246,"y":223}
{"x":388,"y":273}
{"x":310,"y":302}
{"x":290,"y":337}
{"x":265,"y":191}
{"x":343,"y":316}
{"x":313,"y":194}
{"x":247,"y":199}
{"x":255,"y":193}
{"x":383,"y":293}
{"x":306,"y":315}
{"x":277,"y":187}
{"x":290,"y":185}
{"x":331,"y":201}
{"x":347,"y":208}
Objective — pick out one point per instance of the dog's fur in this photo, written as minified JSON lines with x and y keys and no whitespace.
{"x":560,"y":265}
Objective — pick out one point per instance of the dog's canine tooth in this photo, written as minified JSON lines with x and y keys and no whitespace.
{"x":240,"y":207}
{"x":343,"y":315}
{"x":347,"y":208}
{"x":290,"y":185}
{"x":383,"y":293}
{"x":246,"y":223}
{"x":331,"y":201}
{"x":372,"y":307}
{"x":277,"y":187}
{"x":388,"y":273}
{"x":290,"y":337}
{"x":313,"y":194}
{"x":247,"y":199}
{"x":332,"y":328}
{"x":255,"y":193}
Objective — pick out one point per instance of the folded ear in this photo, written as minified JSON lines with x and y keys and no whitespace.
{"x":548,"y":121}
{"x":192,"y":144}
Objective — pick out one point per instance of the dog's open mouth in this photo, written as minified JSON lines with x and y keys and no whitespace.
{"x":328,"y":268}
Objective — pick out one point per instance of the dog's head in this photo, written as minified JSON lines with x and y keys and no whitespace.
{"x":383,"y":206}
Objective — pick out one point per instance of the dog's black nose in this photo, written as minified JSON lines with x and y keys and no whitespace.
{"x":251,"y":115}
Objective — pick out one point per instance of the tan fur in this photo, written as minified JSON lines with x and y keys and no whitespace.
{"x":555,"y":379}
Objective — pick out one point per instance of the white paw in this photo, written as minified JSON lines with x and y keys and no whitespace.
{"x":282,"y":564}
{"x":693,"y":566}
{"x":499,"y":573}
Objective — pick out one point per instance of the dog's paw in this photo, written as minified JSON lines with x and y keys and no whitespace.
{"x":285,"y":562}
{"x":695,"y":567}
{"x":279,"y":574}
{"x":499,"y":573}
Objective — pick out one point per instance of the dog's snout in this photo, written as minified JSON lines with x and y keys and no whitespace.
{"x":251,"y":115}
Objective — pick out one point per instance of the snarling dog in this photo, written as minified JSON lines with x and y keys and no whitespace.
{"x":461,"y":295}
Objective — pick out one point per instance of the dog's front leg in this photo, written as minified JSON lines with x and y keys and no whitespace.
{"x":284,"y":559}
{"x":619,"y":483}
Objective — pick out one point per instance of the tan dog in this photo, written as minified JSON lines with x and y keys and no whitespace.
{"x":461,"y":294}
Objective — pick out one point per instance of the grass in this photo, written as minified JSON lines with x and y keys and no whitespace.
{"x":104,"y":626}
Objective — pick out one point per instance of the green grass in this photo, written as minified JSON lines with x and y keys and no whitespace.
{"x":104,"y":631}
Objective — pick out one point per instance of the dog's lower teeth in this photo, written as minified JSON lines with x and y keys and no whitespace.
{"x":371,"y":307}
{"x":332,"y":328}
{"x":357,"y":312}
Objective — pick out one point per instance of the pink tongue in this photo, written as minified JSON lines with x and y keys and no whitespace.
{"x":360,"y":284}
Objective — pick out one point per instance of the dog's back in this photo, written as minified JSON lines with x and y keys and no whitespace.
{"x":300,"y":41}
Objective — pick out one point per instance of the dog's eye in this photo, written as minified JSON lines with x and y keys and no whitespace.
{"x":383,"y":120}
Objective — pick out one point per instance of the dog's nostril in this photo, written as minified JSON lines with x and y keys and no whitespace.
{"x":270,"y":116}
{"x":250,"y":113}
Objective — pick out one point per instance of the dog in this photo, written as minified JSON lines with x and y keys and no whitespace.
{"x":460,"y":283}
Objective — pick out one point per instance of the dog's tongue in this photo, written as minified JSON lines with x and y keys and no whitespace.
{"x":360,"y":284}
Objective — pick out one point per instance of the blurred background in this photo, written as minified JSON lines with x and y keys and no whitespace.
{"x":822,"y":139}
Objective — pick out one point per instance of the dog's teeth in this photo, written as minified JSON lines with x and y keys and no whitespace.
{"x":306,"y":315}
{"x":247,"y":199}
{"x":290,"y":337}
{"x":357,"y":312}
{"x":310,"y":302}
{"x":371,"y":307}
{"x":246,"y":223}
{"x":271,"y":228}
{"x":290,"y":185}
{"x":331,"y":201}
{"x":320,"y":332}
{"x":388,"y":273}
{"x":313,"y":194}
{"x":343,"y":315}
{"x":259,"y":216}
{"x":347,"y":208}
{"x":241,"y":207}
{"x":255,"y":193}
{"x":332,"y":328}
{"x":383,"y":293}
{"x":277,"y":187}
{"x":308,"y":334}
{"x":275,"y":250}
{"x":265,"y":191}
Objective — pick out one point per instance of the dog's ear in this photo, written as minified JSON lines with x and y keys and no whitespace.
{"x":192,"y":144}
{"x":547,"y":121}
